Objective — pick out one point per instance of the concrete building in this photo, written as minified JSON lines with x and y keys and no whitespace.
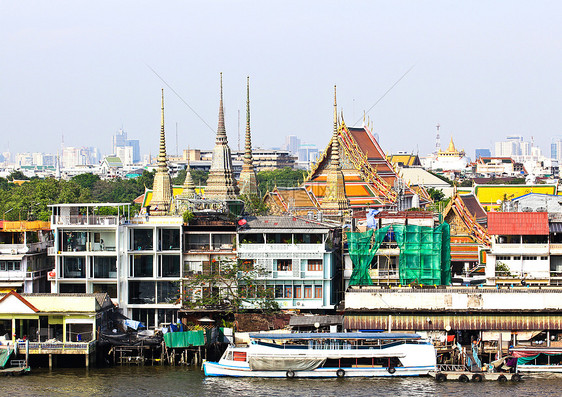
{"x":300,"y":259}
{"x":23,"y":256}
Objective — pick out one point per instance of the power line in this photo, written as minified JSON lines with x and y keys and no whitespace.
{"x":181,"y":99}
{"x":387,"y":91}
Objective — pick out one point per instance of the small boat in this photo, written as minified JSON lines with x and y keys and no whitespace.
{"x":538,"y":359}
{"x":327,"y":355}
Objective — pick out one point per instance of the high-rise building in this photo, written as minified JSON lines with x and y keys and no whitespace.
{"x":482,"y":153}
{"x":120,"y":140}
{"x":292,"y":144}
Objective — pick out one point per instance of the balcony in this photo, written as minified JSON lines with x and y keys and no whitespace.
{"x":58,"y":347}
{"x":15,"y":249}
{"x":93,"y":220}
{"x":315,"y":248}
{"x":520,"y":249}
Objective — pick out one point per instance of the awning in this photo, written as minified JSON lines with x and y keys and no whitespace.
{"x":455,"y":321}
{"x":16,"y":257}
{"x":309,"y":321}
{"x":11,"y":284}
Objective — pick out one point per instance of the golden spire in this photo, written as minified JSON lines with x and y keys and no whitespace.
{"x":335,"y":198}
{"x":451,"y":147}
{"x":248,"y":179}
{"x":162,"y":188}
{"x":335,"y":143}
{"x":221,"y":184}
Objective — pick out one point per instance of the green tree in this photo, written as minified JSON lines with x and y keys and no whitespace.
{"x":86,"y":181}
{"x":17,"y":175}
{"x":229,"y":285}
{"x":436,"y":194}
{"x":254,"y":205}
{"x":286,"y":177}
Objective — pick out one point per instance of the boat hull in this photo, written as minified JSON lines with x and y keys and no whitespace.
{"x":556,"y":369}
{"x":217,"y":369}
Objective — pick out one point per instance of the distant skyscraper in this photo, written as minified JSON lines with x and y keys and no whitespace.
{"x":120,"y":140}
{"x":482,"y":153}
{"x":292,"y":144}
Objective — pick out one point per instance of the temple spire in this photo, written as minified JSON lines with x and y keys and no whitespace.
{"x":335,"y":198}
{"x":221,"y":184}
{"x":162,"y":188}
{"x":248,"y":179}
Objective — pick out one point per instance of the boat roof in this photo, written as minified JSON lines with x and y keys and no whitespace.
{"x":335,"y":335}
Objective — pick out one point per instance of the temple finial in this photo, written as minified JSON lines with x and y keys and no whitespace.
{"x":221,"y":130}
{"x":335,"y":144}
{"x":248,"y":179}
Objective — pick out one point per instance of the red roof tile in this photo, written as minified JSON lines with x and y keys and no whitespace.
{"x":518,"y":223}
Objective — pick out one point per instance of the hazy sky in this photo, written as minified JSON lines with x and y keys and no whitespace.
{"x":482,"y":69}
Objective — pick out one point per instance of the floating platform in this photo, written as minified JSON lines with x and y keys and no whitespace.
{"x":467,"y":376}
{"x":14,"y":371}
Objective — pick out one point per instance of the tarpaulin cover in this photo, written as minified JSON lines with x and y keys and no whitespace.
{"x":362,"y":250}
{"x":184,"y":339}
{"x":268,"y":363}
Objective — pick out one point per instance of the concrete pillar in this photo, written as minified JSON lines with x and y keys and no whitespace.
{"x":50,"y":361}
{"x":87,"y":360}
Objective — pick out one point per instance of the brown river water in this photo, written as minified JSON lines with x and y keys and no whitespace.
{"x":188,"y":381}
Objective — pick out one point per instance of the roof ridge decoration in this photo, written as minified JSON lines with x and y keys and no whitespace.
{"x":162,"y":191}
{"x":221,"y":184}
{"x":248,"y":178}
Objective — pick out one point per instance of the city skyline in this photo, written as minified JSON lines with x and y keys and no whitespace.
{"x":479,"y":71}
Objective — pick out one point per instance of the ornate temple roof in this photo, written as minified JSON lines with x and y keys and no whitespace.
{"x":369,"y":177}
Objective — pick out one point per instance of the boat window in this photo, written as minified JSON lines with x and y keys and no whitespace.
{"x":239,"y":356}
{"x":228,"y":355}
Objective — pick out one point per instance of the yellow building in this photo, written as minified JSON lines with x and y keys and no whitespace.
{"x":491,"y":196}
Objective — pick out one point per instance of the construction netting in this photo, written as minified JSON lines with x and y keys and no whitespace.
{"x":425,"y":253}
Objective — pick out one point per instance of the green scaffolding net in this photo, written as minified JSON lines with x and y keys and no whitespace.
{"x":362,"y":250}
{"x":425,"y":253}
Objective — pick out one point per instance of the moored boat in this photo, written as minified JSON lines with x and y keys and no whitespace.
{"x":538,"y":359}
{"x":327,"y":355}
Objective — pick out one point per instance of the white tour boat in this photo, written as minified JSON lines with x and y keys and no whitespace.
{"x":327,"y":355}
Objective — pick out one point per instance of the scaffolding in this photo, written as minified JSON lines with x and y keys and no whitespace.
{"x":425,"y":253}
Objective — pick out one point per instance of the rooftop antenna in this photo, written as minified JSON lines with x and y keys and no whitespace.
{"x":437,"y":140}
{"x":177,"y":153}
{"x":238,"y":131}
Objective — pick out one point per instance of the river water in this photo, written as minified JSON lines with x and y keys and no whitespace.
{"x":182,"y":381}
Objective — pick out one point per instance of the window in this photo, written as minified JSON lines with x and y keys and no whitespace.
{"x":168,"y":291}
{"x":315,"y":265}
{"x":105,"y":267}
{"x":10,"y":265}
{"x":169,"y":239}
{"x":503,"y":258}
{"x":142,"y":292}
{"x":170,"y":266}
{"x":530,"y":258}
{"x":278,"y":291}
{"x":110,"y":289}
{"x":517,"y":258}
{"x":197,"y":242}
{"x":284,"y":265}
{"x":544,"y":258}
{"x":298,"y":293}
{"x":72,"y":288}
{"x":318,"y":291}
{"x":288,"y":291}
{"x":307,"y":291}
{"x":141,"y":266}
{"x":74,"y":267}
{"x":142,"y":240}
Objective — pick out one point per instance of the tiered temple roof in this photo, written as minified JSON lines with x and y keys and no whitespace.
{"x":368,"y":176}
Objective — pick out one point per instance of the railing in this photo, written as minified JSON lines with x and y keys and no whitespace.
{"x":58,"y":346}
{"x":108,"y":220}
{"x":451,"y":367}
{"x":272,"y":247}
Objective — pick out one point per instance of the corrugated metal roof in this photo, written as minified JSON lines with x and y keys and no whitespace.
{"x":518,"y":223}
{"x":457,"y":321}
{"x":274,"y":223}
{"x":334,"y":335}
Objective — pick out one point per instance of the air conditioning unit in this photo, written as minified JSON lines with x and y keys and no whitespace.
{"x":298,"y":304}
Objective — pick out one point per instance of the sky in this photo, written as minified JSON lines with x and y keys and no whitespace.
{"x":481,"y":69}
